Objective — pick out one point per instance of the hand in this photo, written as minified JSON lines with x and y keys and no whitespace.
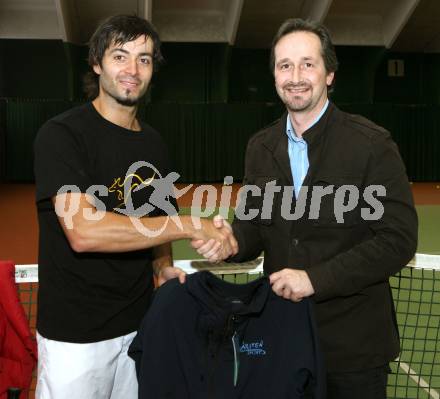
{"x":168,"y":273}
{"x":216,"y":249}
{"x":291,"y":284}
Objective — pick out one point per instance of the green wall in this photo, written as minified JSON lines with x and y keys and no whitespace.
{"x":211,"y":73}
{"x":218,"y":96}
{"x":420,"y":85}
{"x":208,"y":141}
{"x":33,"y":69}
{"x":76,"y":57}
{"x":193,"y":72}
{"x":355,"y":78}
{"x":41,"y":69}
{"x":250,"y":79}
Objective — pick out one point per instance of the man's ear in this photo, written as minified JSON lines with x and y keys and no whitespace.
{"x":329,"y":78}
{"x":97,"y":69}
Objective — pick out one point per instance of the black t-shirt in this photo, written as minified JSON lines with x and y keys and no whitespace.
{"x":88,"y":297}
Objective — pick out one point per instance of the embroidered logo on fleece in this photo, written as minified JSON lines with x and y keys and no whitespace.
{"x":253,"y":348}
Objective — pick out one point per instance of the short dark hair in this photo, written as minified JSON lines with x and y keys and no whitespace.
{"x":118,"y":29}
{"x":301,"y":25}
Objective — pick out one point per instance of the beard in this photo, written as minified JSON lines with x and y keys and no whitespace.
{"x":298,"y":105}
{"x":127,"y":99}
{"x":295,"y":103}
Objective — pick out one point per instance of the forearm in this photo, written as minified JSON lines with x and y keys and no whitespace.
{"x":92,"y":230}
{"x":117,"y":233}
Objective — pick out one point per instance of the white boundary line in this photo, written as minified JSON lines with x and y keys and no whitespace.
{"x":418,"y":380}
{"x":29,"y":273}
{"x":425,"y":261}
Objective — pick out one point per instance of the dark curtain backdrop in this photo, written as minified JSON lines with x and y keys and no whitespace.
{"x":218,"y":73}
{"x":415,"y":129}
{"x":192,"y":72}
{"x":207,"y":141}
{"x":23,"y":119}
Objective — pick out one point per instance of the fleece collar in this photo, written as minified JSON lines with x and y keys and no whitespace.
{"x":220,"y":300}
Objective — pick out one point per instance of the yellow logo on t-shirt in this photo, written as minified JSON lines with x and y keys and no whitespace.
{"x":121,"y":192}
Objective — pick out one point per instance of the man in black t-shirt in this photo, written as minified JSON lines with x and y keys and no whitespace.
{"x":102,"y":231}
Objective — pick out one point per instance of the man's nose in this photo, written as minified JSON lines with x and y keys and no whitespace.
{"x":132,"y":67}
{"x":296,"y":75}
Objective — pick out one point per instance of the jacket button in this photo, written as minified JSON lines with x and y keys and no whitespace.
{"x":295,"y":242}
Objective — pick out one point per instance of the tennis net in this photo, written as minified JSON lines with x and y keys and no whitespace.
{"x":415,"y":374}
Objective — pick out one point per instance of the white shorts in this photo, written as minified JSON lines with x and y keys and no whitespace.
{"x":100,"y":370}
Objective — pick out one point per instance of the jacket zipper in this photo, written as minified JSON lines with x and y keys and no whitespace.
{"x":236,"y":346}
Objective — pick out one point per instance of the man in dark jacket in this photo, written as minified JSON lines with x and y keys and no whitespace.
{"x":330,"y":205}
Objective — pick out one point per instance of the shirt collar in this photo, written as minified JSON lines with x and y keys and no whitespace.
{"x":291,"y":131}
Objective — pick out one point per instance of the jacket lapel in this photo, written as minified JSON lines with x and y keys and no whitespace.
{"x":281,"y":157}
{"x":276,"y":142}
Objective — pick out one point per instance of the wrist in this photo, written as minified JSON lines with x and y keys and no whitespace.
{"x":190,"y":224}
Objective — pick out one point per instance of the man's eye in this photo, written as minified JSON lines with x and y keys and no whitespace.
{"x":119,"y":57}
{"x":146,"y":61}
{"x":308,"y":64}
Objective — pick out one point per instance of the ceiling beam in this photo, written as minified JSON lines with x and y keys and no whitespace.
{"x":145,"y":9}
{"x":62,"y":17}
{"x":66,"y":17}
{"x":315,"y":10}
{"x":394,"y":22}
{"x":232,"y":19}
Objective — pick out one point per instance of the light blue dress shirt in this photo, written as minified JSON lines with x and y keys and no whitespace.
{"x":297,"y":148}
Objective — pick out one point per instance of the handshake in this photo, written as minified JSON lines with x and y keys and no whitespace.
{"x":214,"y":240}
